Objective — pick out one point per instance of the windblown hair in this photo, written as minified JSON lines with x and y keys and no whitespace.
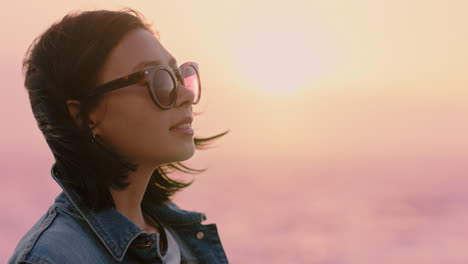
{"x":63,"y":63}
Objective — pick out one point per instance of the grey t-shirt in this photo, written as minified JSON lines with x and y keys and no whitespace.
{"x":177,"y":251}
{"x":172,"y":253}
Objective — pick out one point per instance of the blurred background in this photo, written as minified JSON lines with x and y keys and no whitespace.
{"x":348,"y":121}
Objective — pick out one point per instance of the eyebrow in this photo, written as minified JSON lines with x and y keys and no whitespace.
{"x":144,"y":64}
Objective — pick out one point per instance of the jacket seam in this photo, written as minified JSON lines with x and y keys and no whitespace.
{"x":44,"y":225}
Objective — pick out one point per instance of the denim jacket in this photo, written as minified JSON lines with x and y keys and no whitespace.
{"x":69,"y":232}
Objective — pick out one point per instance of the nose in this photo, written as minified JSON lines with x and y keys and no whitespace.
{"x":185,"y":96}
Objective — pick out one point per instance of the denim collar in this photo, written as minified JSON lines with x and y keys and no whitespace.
{"x":114,"y":229}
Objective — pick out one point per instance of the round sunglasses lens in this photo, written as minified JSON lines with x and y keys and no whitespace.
{"x":191,"y":80}
{"x":163,"y":87}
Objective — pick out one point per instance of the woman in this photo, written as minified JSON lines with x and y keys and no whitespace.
{"x":116,"y":111}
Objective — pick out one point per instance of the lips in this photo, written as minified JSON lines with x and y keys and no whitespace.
{"x":186,"y":120}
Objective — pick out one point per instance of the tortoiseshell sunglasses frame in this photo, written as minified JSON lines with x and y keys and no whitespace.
{"x":147,"y":73}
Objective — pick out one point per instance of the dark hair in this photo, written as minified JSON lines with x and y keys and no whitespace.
{"x":63,"y":63}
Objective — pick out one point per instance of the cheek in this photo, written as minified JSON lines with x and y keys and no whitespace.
{"x":136,"y":128}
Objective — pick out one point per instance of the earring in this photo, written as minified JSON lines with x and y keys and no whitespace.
{"x":93,"y":138}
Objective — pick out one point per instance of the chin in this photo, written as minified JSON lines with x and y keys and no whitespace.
{"x":183,"y":154}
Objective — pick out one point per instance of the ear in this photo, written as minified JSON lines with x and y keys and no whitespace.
{"x":74,"y":107}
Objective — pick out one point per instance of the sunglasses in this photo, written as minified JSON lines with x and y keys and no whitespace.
{"x":161,"y":81}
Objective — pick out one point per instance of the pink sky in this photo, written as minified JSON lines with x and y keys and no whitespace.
{"x":348,"y":122}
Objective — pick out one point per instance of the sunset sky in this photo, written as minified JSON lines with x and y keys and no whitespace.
{"x":348,"y":121}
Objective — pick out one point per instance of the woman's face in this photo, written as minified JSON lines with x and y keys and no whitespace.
{"x":128,"y":119}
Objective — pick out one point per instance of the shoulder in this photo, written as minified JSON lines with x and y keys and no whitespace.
{"x":59,"y":236}
{"x":28,"y":241}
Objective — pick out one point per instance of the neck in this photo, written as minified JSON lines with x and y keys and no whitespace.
{"x":128,"y":201}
